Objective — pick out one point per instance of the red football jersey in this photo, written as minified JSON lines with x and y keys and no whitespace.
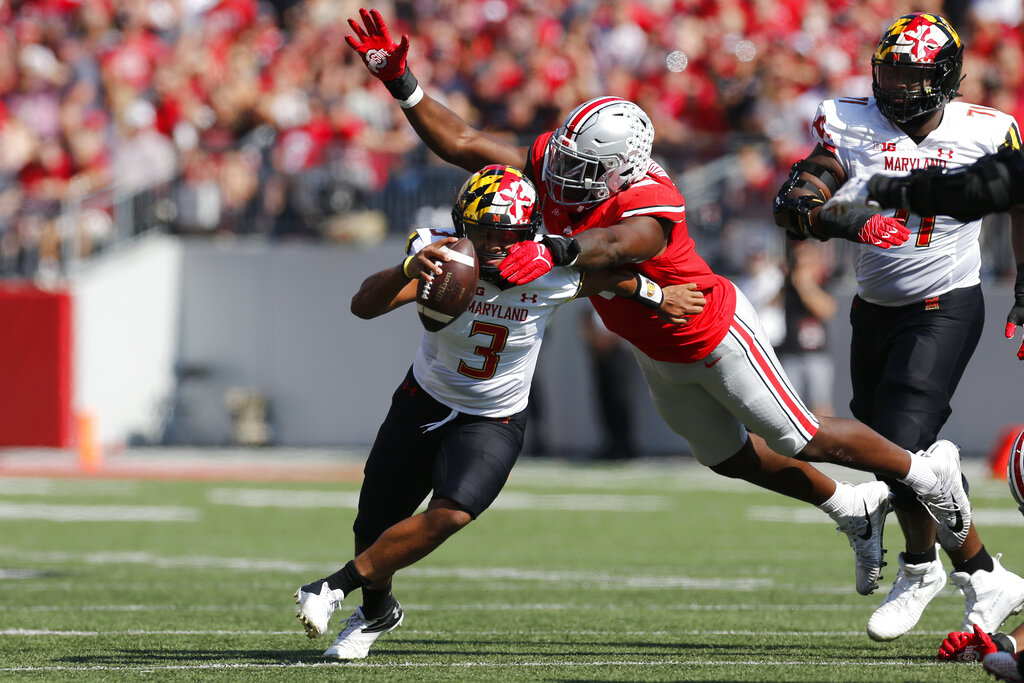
{"x":657,"y":196}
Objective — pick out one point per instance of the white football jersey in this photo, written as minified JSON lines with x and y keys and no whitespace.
{"x":942,"y":253}
{"x":482,"y":362}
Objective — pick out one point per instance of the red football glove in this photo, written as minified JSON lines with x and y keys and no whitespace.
{"x":526,"y":261}
{"x":966,"y":647}
{"x":883,"y":232}
{"x":1016,"y":317}
{"x":382,"y":57}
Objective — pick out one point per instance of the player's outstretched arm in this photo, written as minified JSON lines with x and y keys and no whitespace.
{"x":392,"y":287}
{"x":443,"y":131}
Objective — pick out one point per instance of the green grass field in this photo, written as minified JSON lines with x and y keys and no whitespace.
{"x":641,"y":572}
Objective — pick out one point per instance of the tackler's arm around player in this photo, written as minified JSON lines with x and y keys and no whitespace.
{"x":674,"y":304}
{"x":633,"y":240}
{"x":392,"y":287}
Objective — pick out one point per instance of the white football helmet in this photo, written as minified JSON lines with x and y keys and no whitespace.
{"x":603,"y":146}
{"x":1015,"y":471}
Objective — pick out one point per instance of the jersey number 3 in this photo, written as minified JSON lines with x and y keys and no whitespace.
{"x":498,"y":335}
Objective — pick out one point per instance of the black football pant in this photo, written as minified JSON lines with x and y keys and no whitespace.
{"x":905,"y":364}
{"x":467,"y":459}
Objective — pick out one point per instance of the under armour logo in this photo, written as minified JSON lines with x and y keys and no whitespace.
{"x":409,"y":389}
{"x":524,"y":296}
{"x":943,"y":152}
{"x":377,"y":59}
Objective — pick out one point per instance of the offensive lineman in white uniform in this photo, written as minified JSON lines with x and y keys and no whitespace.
{"x":457,"y":421}
{"x":918,"y":313}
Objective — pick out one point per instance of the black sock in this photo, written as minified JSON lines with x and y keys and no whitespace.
{"x":982,"y":560}
{"x":920,"y":558}
{"x":346,"y":579}
{"x":377,"y":603}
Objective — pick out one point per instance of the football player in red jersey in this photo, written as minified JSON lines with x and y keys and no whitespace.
{"x":918,"y":313}
{"x":606,"y":203}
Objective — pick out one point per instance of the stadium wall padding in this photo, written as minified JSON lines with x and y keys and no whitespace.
{"x":35,"y":366}
{"x":167,"y":327}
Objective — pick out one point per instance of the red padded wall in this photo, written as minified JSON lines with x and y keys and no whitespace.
{"x":35,"y":366}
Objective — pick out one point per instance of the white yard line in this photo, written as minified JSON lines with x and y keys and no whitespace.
{"x":892,"y":663}
{"x":24,"y":632}
{"x":810,"y":515}
{"x":98,"y":513}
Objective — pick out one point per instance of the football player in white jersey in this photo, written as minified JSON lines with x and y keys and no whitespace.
{"x":918,"y":312}
{"x":994,"y":183}
{"x":456,"y":423}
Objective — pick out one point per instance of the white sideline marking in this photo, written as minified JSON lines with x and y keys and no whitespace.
{"x":598,"y":580}
{"x":31,"y":486}
{"x":811,"y":515}
{"x":98,"y":513}
{"x":493,"y":607}
{"x":507,"y":500}
{"x":900,"y":663}
{"x":283,"y":498}
{"x":457,"y":633}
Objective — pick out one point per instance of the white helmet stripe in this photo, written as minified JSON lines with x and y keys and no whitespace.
{"x":1015,"y":469}
{"x":585,"y":110}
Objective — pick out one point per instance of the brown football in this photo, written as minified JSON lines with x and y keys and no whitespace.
{"x":441,"y":301}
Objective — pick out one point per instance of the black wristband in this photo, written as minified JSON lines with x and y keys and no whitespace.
{"x":844,"y":222}
{"x":404,"y":86}
{"x":1004,"y":643}
{"x":1018,"y":285}
{"x":648,"y":292}
{"x":564,"y":250}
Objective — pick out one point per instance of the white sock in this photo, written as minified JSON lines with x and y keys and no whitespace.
{"x":921,"y":478}
{"x":841,"y":502}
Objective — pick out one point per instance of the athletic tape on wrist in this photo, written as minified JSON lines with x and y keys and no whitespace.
{"x":413,"y":99}
{"x":648,"y":292}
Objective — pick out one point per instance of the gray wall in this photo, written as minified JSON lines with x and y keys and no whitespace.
{"x":276,"y":318}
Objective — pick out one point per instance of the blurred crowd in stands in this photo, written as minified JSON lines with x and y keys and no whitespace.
{"x":239,"y":117}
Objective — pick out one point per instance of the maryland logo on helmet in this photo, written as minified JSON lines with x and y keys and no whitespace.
{"x":916,"y":66}
{"x":497,"y":196}
{"x":919,"y":38}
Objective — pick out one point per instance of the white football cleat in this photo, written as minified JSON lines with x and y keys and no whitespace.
{"x":914,"y":588}
{"x":360,"y":633}
{"x":1004,"y":666}
{"x":991,"y":596}
{"x":947,"y":502}
{"x":864,"y":529}
{"x":317,"y":602}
